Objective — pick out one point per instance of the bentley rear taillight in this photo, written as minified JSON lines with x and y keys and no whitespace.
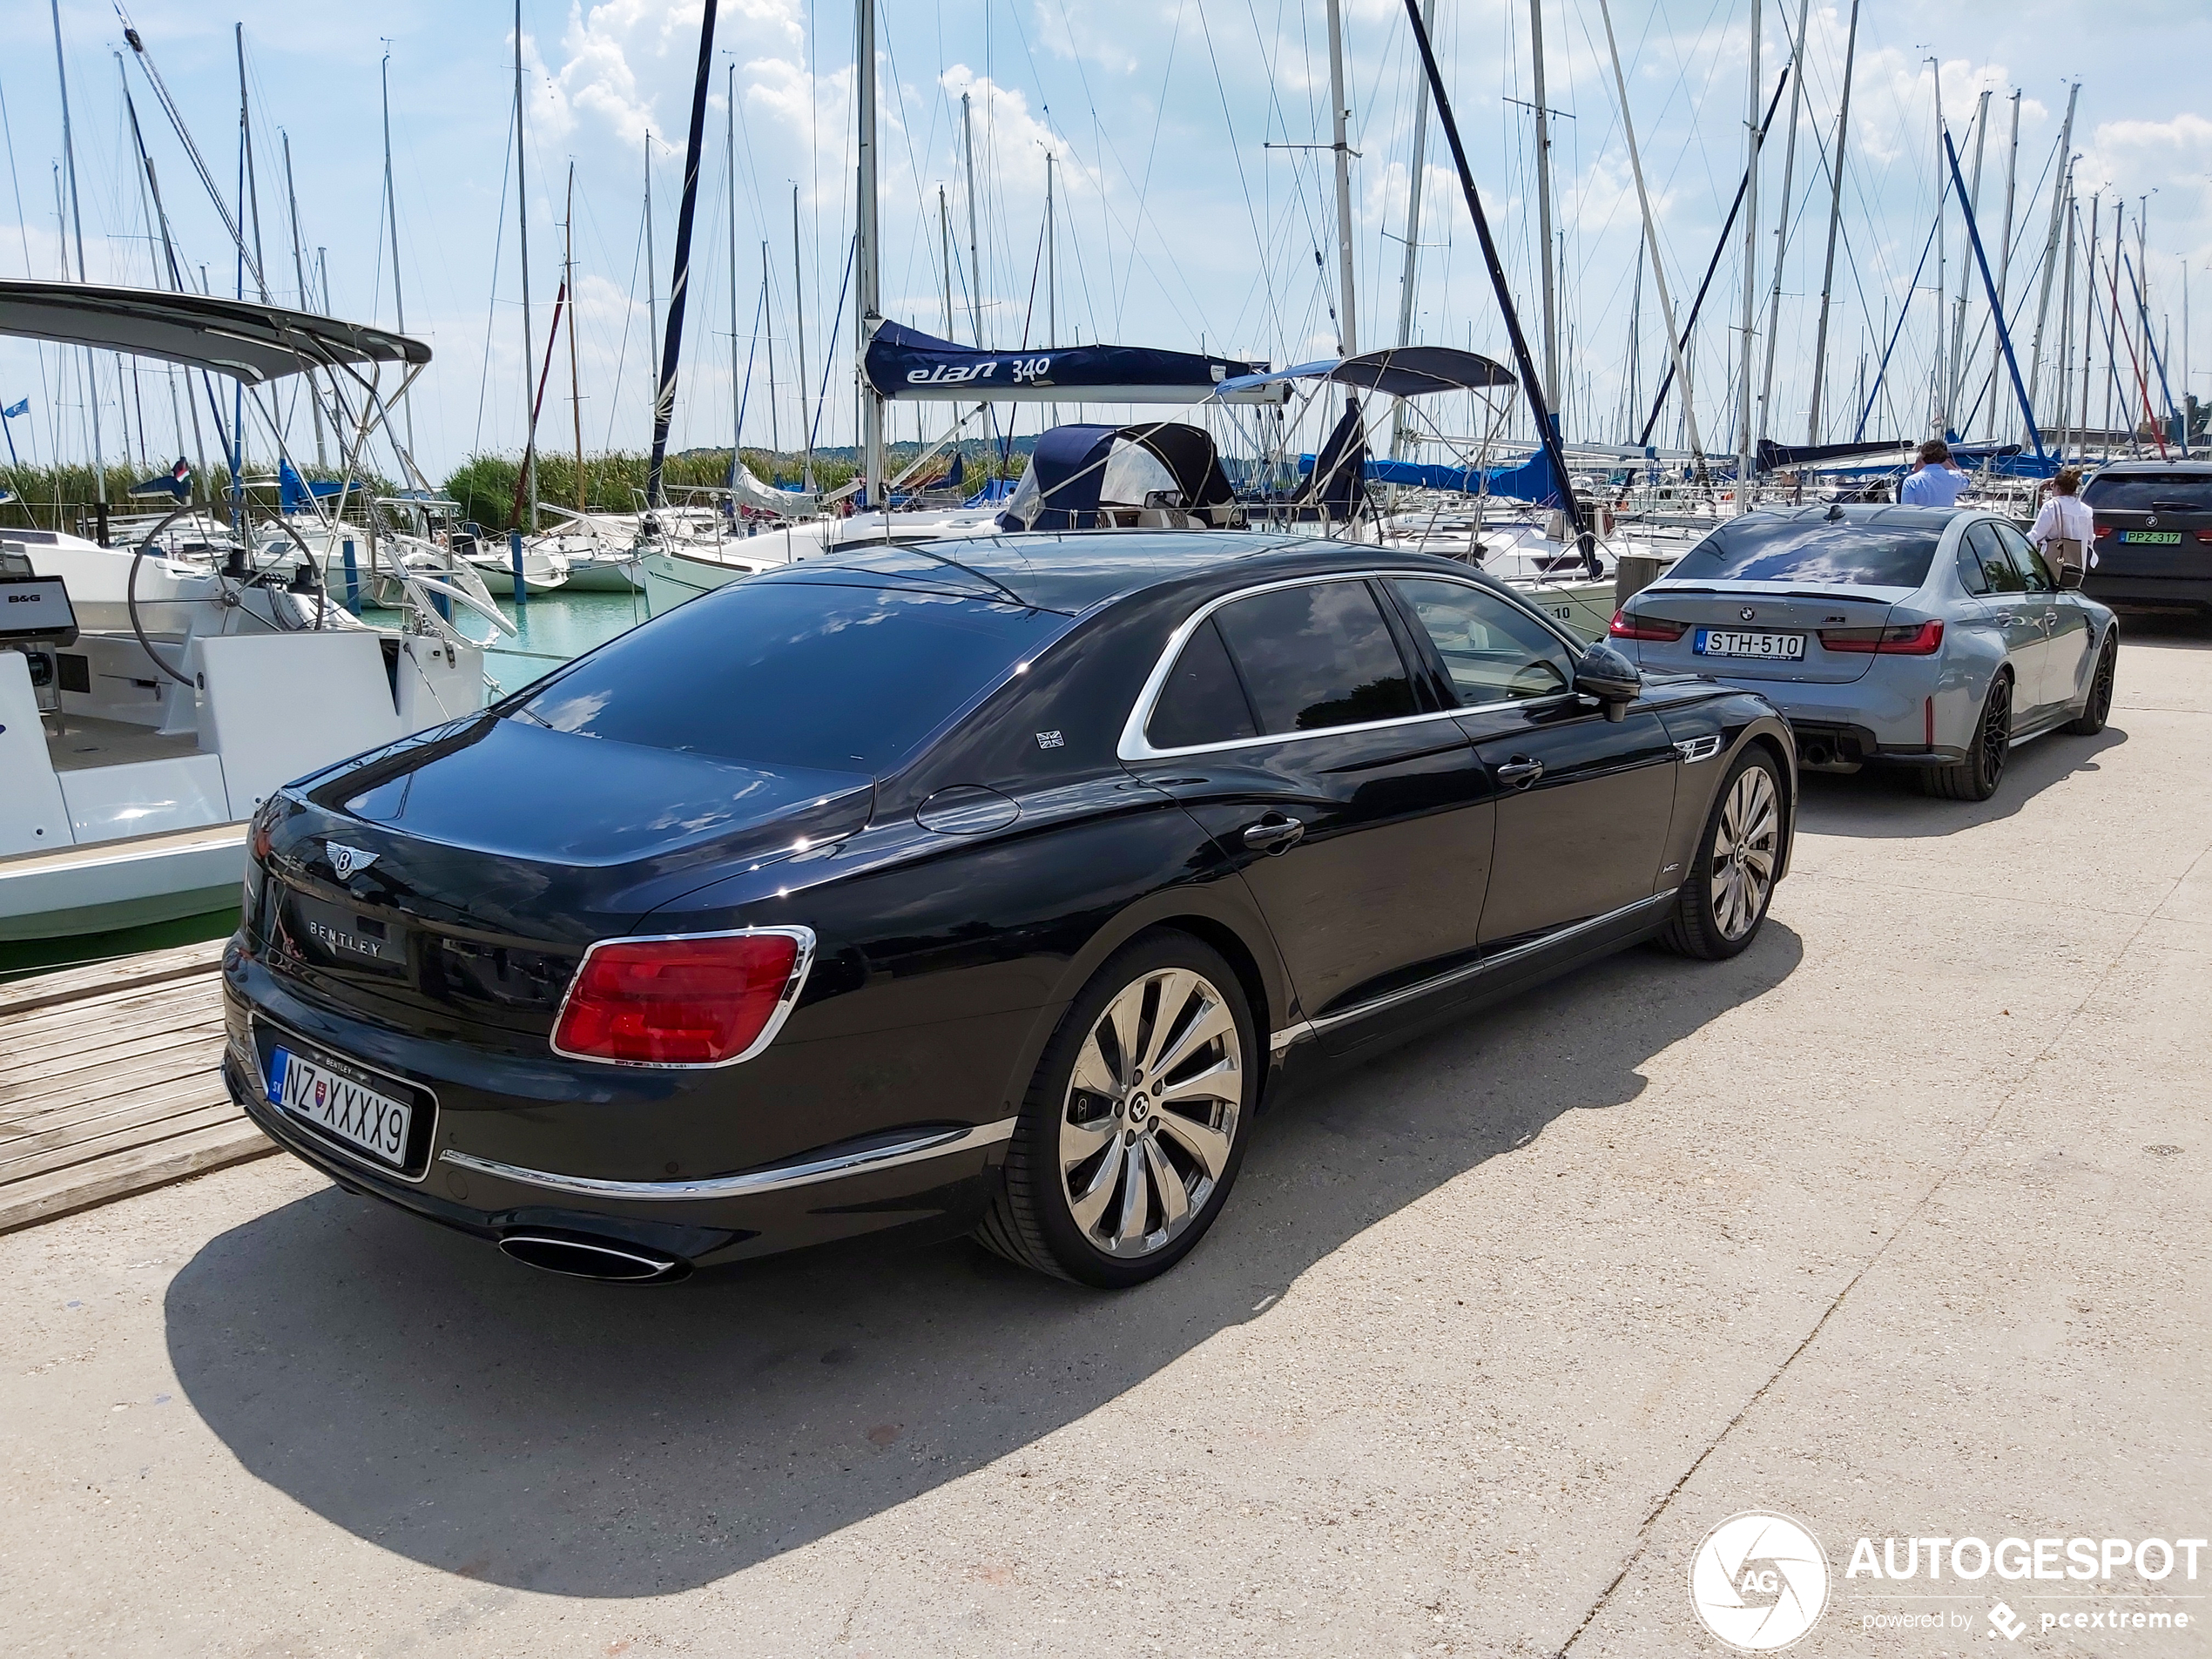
{"x":697,"y":1000}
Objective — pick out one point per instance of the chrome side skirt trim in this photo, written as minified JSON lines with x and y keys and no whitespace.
{"x":1290,"y":1034}
{"x":776,"y":1178}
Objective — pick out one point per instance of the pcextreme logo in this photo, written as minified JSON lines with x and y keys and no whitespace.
{"x":1759,"y":1581}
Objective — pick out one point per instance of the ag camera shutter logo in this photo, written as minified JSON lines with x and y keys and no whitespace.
{"x":1759,"y":1581}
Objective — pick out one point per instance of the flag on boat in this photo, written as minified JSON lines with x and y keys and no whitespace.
{"x":908,"y":364}
{"x":176,"y":481}
{"x":21,"y":405}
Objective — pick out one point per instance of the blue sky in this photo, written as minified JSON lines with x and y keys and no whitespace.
{"x":1177,"y":224}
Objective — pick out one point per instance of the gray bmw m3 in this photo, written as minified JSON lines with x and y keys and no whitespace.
{"x":1937,"y":639}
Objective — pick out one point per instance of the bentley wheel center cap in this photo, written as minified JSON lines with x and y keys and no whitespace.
{"x":1139,"y":1108}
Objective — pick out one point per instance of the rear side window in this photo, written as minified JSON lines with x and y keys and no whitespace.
{"x":1316,"y":657}
{"x":1202,"y":701}
{"x":1831,"y":552}
{"x":2141,"y":492}
{"x":1984,"y":555}
{"x":796,"y":674}
{"x":1493,"y":652}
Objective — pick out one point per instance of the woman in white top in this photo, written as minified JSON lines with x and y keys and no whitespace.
{"x":2065,"y":528}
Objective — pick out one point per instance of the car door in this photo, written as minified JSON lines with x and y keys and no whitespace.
{"x":2017,"y":613}
{"x":2068,"y":637}
{"x":1584,"y":802}
{"x":1291,"y":727}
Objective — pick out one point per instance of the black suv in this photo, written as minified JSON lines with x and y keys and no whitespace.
{"x":2153,"y":534}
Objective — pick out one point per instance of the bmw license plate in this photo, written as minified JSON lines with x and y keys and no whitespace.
{"x":1721,"y":641}
{"x":2152,"y":538}
{"x":341,"y":1103}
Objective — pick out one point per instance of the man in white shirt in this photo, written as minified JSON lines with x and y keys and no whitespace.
{"x":2066,"y":529}
{"x":1935,"y":482}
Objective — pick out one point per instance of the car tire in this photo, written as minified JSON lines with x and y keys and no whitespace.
{"x":1107,"y":1183}
{"x":1722,"y":907}
{"x":1976,"y":778}
{"x":2096,"y":709}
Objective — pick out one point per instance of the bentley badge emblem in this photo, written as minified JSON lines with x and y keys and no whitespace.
{"x":1748,"y":614}
{"x":347,"y":861}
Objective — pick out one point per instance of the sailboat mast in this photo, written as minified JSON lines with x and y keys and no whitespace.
{"x":2003,"y":265}
{"x":1651,"y":248}
{"x":575,"y":380}
{"x":1745,"y":454}
{"x":1835,"y":221}
{"x":729,"y":169}
{"x":1348,"y":324}
{"x":300,"y":275}
{"x":1954,"y":383}
{"x":1940,"y":413}
{"x":1550,"y":295}
{"x":1400,"y":433}
{"x":868,"y":302}
{"x":652,"y":269}
{"x":687,"y":207}
{"x":522,"y":223}
{"x":77,"y":223}
{"x":2061,"y":199}
{"x":392,"y":217}
{"x":974,"y":267}
{"x":1782,"y":220}
{"x":767,"y":318}
{"x":799,"y":329}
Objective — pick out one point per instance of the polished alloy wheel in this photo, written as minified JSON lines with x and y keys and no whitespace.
{"x":1745,"y":845}
{"x":1151,"y":1112}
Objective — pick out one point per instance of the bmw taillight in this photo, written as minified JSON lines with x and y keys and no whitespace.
{"x":1906,"y":639}
{"x":1657,"y":628}
{"x":700,"y":1000}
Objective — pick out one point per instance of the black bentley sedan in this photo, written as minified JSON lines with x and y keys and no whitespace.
{"x":991,"y":884}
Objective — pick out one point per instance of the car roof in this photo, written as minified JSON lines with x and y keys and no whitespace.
{"x":1073,"y":571}
{"x":1875,"y":515}
{"x":2123,"y":469}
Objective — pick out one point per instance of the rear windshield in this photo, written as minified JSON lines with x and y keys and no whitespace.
{"x":795,"y":674}
{"x":1821,"y":551}
{"x":2141,"y":492}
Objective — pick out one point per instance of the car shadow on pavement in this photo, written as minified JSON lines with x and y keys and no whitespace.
{"x":427,"y":1394}
{"x":1886,"y":802}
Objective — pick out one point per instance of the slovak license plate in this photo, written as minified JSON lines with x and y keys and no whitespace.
{"x":1720,"y":642}
{"x":2153,"y":538}
{"x":340,"y":1104}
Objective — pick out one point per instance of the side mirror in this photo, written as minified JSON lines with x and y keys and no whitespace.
{"x":2069,"y":576}
{"x":1603,"y":673}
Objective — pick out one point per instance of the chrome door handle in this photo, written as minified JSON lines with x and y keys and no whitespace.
{"x":1521,"y":772}
{"x":1273,"y":833}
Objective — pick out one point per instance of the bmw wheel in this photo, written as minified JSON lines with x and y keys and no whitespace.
{"x":1976,"y":778}
{"x":2097,"y":708}
{"x":1135,"y":1126}
{"x":1724,"y":902}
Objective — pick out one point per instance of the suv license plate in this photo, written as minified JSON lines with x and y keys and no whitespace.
{"x":340,"y":1107}
{"x":1782,"y":648}
{"x":2153,"y":538}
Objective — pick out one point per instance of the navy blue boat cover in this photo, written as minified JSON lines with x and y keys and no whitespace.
{"x":906,"y":363}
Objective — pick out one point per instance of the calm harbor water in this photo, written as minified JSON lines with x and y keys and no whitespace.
{"x":550,"y":629}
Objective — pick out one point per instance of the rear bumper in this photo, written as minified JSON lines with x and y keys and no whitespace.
{"x":490,"y":1170}
{"x":2148,"y":589}
{"x":1835,"y":746}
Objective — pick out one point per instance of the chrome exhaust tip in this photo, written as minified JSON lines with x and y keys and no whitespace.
{"x":593,"y":1258}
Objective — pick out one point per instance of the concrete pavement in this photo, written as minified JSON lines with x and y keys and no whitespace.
{"x":1895,"y":1225}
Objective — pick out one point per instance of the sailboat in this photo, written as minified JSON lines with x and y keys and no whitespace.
{"x":153,"y":699}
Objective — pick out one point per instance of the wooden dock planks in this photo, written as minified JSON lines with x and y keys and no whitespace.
{"x":109,"y":1086}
